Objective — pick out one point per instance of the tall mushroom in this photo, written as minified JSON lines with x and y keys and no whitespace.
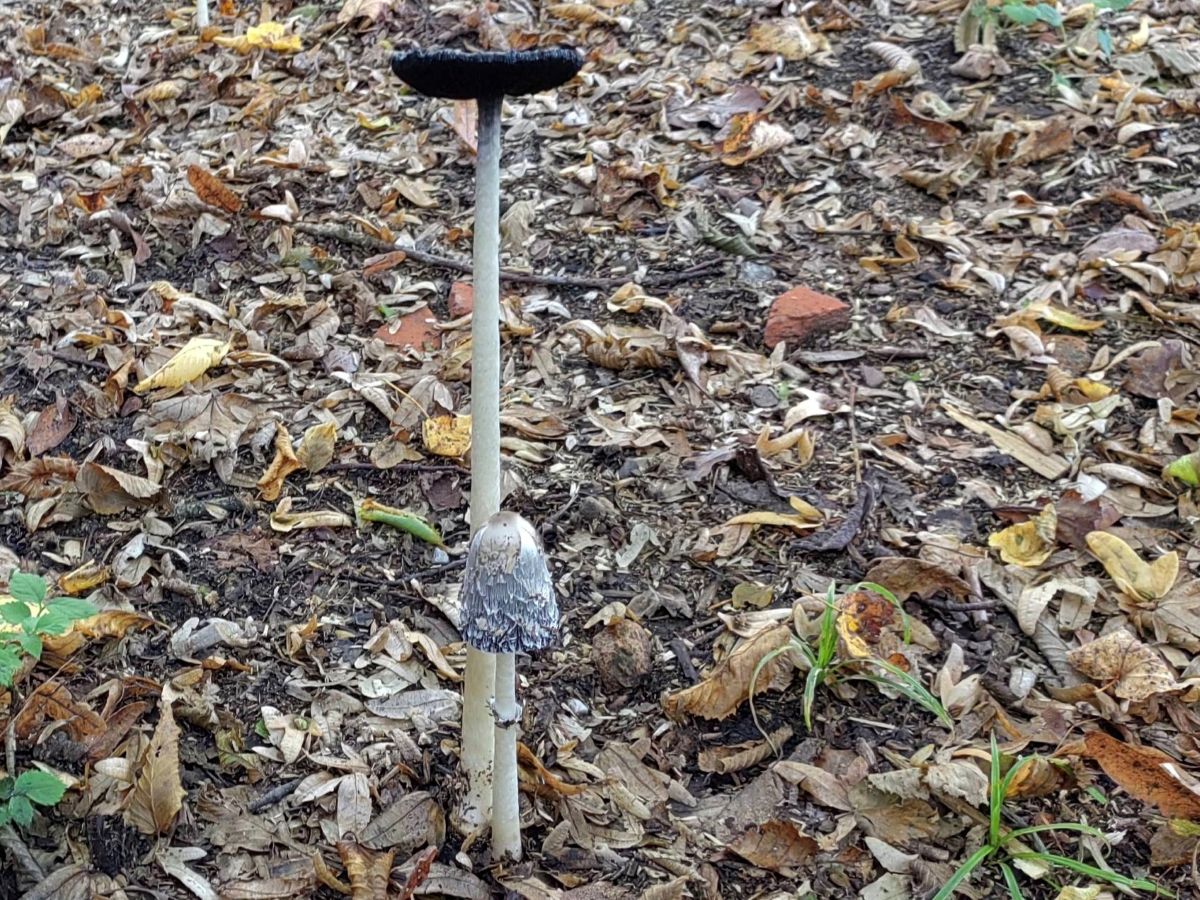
{"x":485,"y":78}
{"x":508,"y":607}
{"x":201,"y":13}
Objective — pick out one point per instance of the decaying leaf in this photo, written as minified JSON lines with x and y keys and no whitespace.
{"x":195,"y":358}
{"x":284,"y":464}
{"x":1139,"y":580}
{"x":1147,"y":774}
{"x":1028,"y":543}
{"x":447,"y":435}
{"x":1134,"y":669}
{"x":158,"y":793}
{"x":316,"y":447}
{"x":212,"y":190}
{"x":720,"y":694}
{"x":776,"y":845}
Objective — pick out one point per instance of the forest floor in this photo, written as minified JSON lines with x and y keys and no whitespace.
{"x":999,"y":436}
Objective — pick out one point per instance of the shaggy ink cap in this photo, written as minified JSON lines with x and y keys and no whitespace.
{"x":459,"y":75}
{"x":508,"y":603}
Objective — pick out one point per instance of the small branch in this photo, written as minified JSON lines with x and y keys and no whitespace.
{"x":344,"y":235}
{"x":854,"y":436}
{"x":274,"y":795}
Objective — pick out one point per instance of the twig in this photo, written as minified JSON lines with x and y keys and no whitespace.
{"x":854,"y":436}
{"x":949,"y":606}
{"x":683,"y":657}
{"x":344,"y":235}
{"x":274,"y":795}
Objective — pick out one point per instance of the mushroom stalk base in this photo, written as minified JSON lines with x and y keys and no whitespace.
{"x":480,"y":675}
{"x":506,"y":809}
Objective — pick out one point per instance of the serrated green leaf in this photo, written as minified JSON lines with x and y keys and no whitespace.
{"x":74,"y":607}
{"x":31,"y":644}
{"x":14,"y":612}
{"x":7,"y":786}
{"x":26,"y":587}
{"x":1048,"y":14}
{"x":1019,"y":13}
{"x":21,"y":810}
{"x":40,"y":787}
{"x":10,"y":664}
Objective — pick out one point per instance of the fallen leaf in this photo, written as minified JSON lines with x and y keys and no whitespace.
{"x":720,"y":694}
{"x":367,"y":871}
{"x":413,"y":821}
{"x":1137,"y":670}
{"x":195,"y":358}
{"x":52,"y":426}
{"x":1147,"y":774}
{"x":212,"y":190}
{"x":157,"y":795}
{"x":318,"y":518}
{"x":109,"y":491}
{"x":284,"y":463}
{"x":316,"y":447}
{"x":1139,"y":580}
{"x":905,"y":576}
{"x":447,"y":435}
{"x":1028,"y":543}
{"x":775,"y":845}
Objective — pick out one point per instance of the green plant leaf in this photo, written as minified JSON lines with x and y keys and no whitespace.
{"x":31,"y":644}
{"x":7,"y":786}
{"x":10,"y":664}
{"x":14,"y":612}
{"x":62,"y":612}
{"x":4,"y":814}
{"x":962,"y":873}
{"x":1105,"y":42}
{"x":27,"y":588}
{"x":1019,"y":13}
{"x":21,"y":810}
{"x":1138,"y":884}
{"x":1010,"y":879}
{"x":40,"y":787}
{"x":1048,"y":14}
{"x":1115,"y":5}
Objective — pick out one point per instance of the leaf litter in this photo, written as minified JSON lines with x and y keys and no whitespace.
{"x":227,"y":334}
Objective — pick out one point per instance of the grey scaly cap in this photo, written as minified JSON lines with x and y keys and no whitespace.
{"x":508,"y":603}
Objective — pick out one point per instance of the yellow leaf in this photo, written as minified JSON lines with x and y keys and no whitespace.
{"x":84,"y":578}
{"x":447,"y":435}
{"x":158,"y":792}
{"x":1066,"y":319}
{"x":798,"y":521}
{"x":283,"y":465}
{"x":1136,"y":578}
{"x":807,"y":510}
{"x":272,"y":36}
{"x":370,"y":124}
{"x":197,"y":356}
{"x":317,"y":518}
{"x":316,"y":447}
{"x":1029,"y":543}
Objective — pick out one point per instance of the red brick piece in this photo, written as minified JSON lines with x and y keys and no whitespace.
{"x":800,"y":313}
{"x":413,"y":330}
{"x":462,"y":299}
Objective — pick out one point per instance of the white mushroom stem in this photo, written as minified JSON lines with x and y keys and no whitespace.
{"x":201,"y":13}
{"x":506,"y":807}
{"x":480,"y":676}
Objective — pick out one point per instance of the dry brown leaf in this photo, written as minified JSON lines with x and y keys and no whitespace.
{"x":368,"y":871}
{"x":466,"y":123}
{"x":720,"y":694}
{"x":791,"y":38}
{"x":195,"y":358}
{"x":316,"y":447}
{"x":579,"y":12}
{"x":1040,"y":776}
{"x":212,"y":190}
{"x":1147,"y":774}
{"x":776,"y":845}
{"x":52,"y":702}
{"x":1137,"y":670}
{"x":284,"y":464}
{"x":52,"y":426}
{"x":157,"y":795}
{"x":1137,"y":579}
{"x":282,"y":520}
{"x":905,"y":576}
{"x":110,"y":491}
{"x":543,"y":780}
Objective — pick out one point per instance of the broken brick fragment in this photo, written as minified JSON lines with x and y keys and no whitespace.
{"x":416,"y":330}
{"x":801,"y":313}
{"x":461,"y":300}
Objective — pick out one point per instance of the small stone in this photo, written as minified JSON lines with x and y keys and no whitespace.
{"x":801,"y":313}
{"x":622,"y":655}
{"x":461,"y":300}
{"x":412,"y":330}
{"x":764,"y":396}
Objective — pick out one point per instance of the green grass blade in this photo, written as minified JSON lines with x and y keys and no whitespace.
{"x":1010,"y":879}
{"x":1017,"y":833}
{"x":1138,"y":884}
{"x":758,"y":667}
{"x":995,"y":796}
{"x":962,"y":873}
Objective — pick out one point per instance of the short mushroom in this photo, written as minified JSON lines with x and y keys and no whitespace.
{"x":486,"y":78}
{"x":508,"y":607}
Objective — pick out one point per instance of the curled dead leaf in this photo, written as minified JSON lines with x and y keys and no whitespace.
{"x":1137,"y":579}
{"x":195,"y":358}
{"x":284,"y":463}
{"x":1136,"y":671}
{"x":1147,"y":774}
{"x":720,"y":694}
{"x":1030,"y":543}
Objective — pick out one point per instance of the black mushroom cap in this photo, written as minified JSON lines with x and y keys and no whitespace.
{"x":458,"y":75}
{"x":508,"y":603}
